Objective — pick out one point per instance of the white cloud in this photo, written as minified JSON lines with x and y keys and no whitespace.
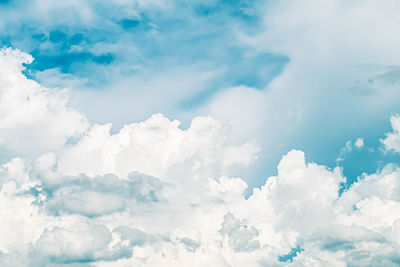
{"x":154,"y":194}
{"x":33,"y":119}
{"x":209,"y":223}
{"x":81,"y":243}
{"x":240,"y":236}
{"x":359,"y":143}
{"x":155,"y":147}
{"x":89,"y":203}
{"x":349,"y":146}
{"x":392,"y":140}
{"x":21,"y":222}
{"x":337,"y":77}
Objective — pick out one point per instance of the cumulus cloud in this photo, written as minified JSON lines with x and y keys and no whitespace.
{"x":336,"y":81}
{"x":86,"y":243}
{"x":154,"y":147}
{"x":100,"y":195}
{"x":33,"y":119}
{"x":297,"y":218}
{"x":240,"y":236}
{"x":154,"y":194}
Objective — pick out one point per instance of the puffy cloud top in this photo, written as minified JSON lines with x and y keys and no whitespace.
{"x":33,"y":119}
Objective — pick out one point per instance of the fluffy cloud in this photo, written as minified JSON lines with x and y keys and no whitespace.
{"x":154,"y":147}
{"x":100,"y":195}
{"x":299,"y":210}
{"x":392,"y":140}
{"x":155,"y":194}
{"x":336,"y":77}
{"x":241,"y":237}
{"x":33,"y":119}
{"x":86,"y":243}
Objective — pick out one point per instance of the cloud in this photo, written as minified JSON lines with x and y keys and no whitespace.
{"x":240,"y":236}
{"x":33,"y":119}
{"x":154,"y":147}
{"x":392,"y":140}
{"x":196,"y":67}
{"x":332,"y":79}
{"x":348,"y":148}
{"x":83,"y":244}
{"x":89,"y":203}
{"x":297,"y":217}
{"x":130,"y":46}
{"x":100,"y":195}
{"x":359,"y":143}
{"x":154,"y":193}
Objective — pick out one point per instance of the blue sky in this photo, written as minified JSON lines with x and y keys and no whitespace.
{"x":321,"y":78}
{"x":185,"y":52}
{"x":183,"y":40}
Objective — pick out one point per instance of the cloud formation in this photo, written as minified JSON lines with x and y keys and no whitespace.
{"x":275,"y":71}
{"x":154,"y":194}
{"x":392,"y":140}
{"x":33,"y":119}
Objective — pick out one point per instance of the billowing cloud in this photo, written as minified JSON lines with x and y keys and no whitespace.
{"x":33,"y":119}
{"x":297,"y":218}
{"x":86,"y":243}
{"x":300,"y":207}
{"x":153,"y":147}
{"x":155,"y":193}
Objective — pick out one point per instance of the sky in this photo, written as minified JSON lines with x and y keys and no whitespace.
{"x":203,"y":133}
